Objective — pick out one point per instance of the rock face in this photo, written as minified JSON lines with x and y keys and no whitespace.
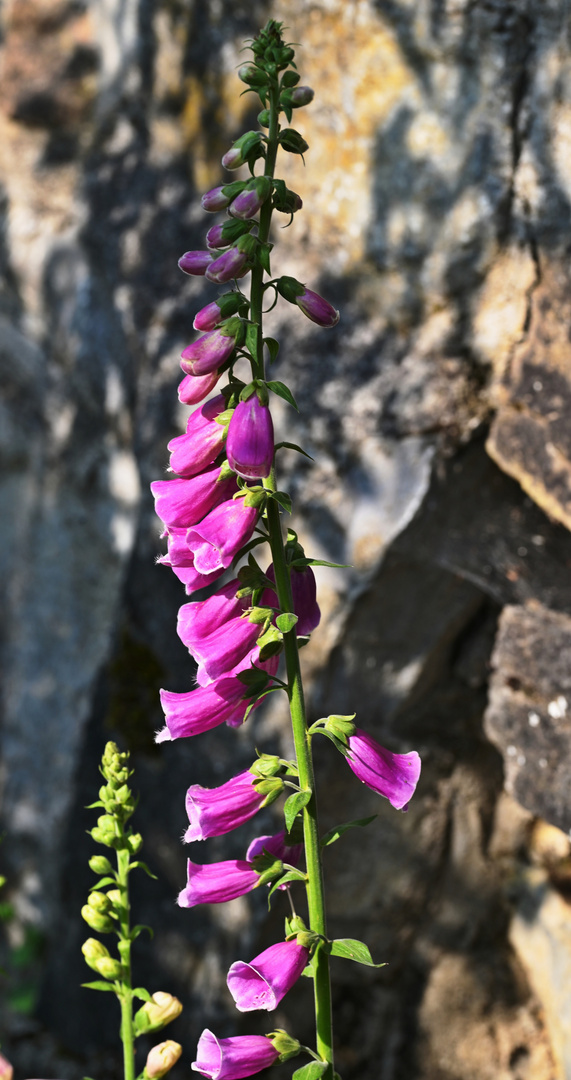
{"x":436,"y":213}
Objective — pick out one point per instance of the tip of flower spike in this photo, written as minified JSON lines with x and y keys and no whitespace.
{"x":163,"y":735}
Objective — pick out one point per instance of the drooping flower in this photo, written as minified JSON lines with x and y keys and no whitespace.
{"x":317,"y":309}
{"x":194,"y":388}
{"x":195,"y":262}
{"x":231,"y":264}
{"x":393,"y":775}
{"x":221,"y":534}
{"x":199,"y":710}
{"x":215,"y":811}
{"x":203,"y":441}
{"x":216,"y":883}
{"x":304,"y":595}
{"x":247,"y":146}
{"x":182,"y":503}
{"x":263,"y":982}
{"x":250,"y":442}
{"x":181,"y":561}
{"x":249,"y":201}
{"x":208,"y":352}
{"x":233,"y":1058}
{"x":209,"y":317}
{"x":197,"y":621}
{"x":226,"y":647}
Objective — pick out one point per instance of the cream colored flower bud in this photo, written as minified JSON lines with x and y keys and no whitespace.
{"x":161,"y":1059}
{"x":156,"y":1014}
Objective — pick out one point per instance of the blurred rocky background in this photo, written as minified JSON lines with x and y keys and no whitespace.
{"x":436,"y":216}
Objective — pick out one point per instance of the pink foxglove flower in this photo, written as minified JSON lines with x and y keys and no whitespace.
{"x":248,"y":202}
{"x":227,"y":646}
{"x":233,"y":1058}
{"x":197,"y":621}
{"x":250,"y":443}
{"x":182,"y":503}
{"x":304,"y":594}
{"x":195,"y":262}
{"x":263,"y":982}
{"x":393,"y":775}
{"x":208,"y":317}
{"x":221,"y":534}
{"x":200,"y":710}
{"x":275,"y":845}
{"x":208,"y":353}
{"x":194,"y":388}
{"x":231,"y":264}
{"x":204,"y":439}
{"x":215,"y":811}
{"x":216,"y":883}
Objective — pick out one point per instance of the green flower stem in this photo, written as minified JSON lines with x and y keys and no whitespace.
{"x":257,"y":281}
{"x":124,"y":947}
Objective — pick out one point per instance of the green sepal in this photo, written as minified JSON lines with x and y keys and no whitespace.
{"x":98,"y":985}
{"x":294,"y":924}
{"x":141,"y":993}
{"x":224,"y":418}
{"x":254,"y":680}
{"x":282,"y":391}
{"x":293,"y":805}
{"x":332,"y":738}
{"x":255,"y":497}
{"x":334,"y":834}
{"x":271,"y":647}
{"x":259,"y":697}
{"x":308,"y":972}
{"x":273,"y":348}
{"x":312,"y":1071}
{"x":269,"y":870}
{"x":294,"y":446}
{"x":351,"y":949}
{"x":259,"y":615}
{"x":265,"y":766}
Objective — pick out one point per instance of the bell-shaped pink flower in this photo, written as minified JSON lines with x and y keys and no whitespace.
{"x":195,"y":262}
{"x":194,"y":388}
{"x":250,"y":443}
{"x":215,"y":811}
{"x":263,"y":982}
{"x":221,"y":534}
{"x":317,"y":309}
{"x":226,"y":647}
{"x":181,"y":561}
{"x":182,"y":503}
{"x":304,"y":595}
{"x":204,"y":439}
{"x":275,"y":845}
{"x":393,"y":775}
{"x":199,"y":710}
{"x":197,"y":621}
{"x":208,"y":353}
{"x":233,"y":1058}
{"x":216,"y":883}
{"x":251,"y":659}
{"x":231,"y":264}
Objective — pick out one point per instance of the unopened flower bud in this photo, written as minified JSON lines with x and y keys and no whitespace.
{"x":286,"y":1046}
{"x":266,"y":765}
{"x":249,"y":201}
{"x":290,"y":78}
{"x":341,"y":726}
{"x":115,"y":898}
{"x":250,"y":442}
{"x":209,"y":317}
{"x":99,"y":901}
{"x":252,"y":75}
{"x":248,"y":146}
{"x":93,"y":951}
{"x":195,"y":263}
{"x":299,"y":96}
{"x":108,"y":967}
{"x":100,"y":865}
{"x":220,"y":236}
{"x":286,"y":201}
{"x":264,"y":118}
{"x":230,"y":265}
{"x":293,"y":142}
{"x":156,"y":1014}
{"x":317,"y":309}
{"x":214,"y":200}
{"x":101,"y":923}
{"x":135,"y":843}
{"x":161,"y":1059}
{"x":270,"y":787}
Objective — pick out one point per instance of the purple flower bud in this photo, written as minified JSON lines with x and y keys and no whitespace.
{"x":301,"y":95}
{"x":233,"y":159}
{"x":194,"y":388}
{"x":393,"y":775}
{"x":195,"y":262}
{"x":214,"y":200}
{"x":208,"y":353}
{"x":250,"y":442}
{"x":248,"y":146}
{"x":216,"y":883}
{"x":203,"y":441}
{"x":210,"y":316}
{"x":215,"y":811}
{"x":233,"y":1058}
{"x":263,"y":982}
{"x":317,"y":309}
{"x":221,"y":534}
{"x":231,"y":264}
{"x":304,"y":594}
{"x":214,"y":238}
{"x":249,"y":201}
{"x":182,"y":503}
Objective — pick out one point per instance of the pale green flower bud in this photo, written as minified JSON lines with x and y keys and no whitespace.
{"x":108,"y":967}
{"x":96,"y":920}
{"x":100,"y":865}
{"x":100,"y":902}
{"x":156,"y":1014}
{"x":94,"y":951}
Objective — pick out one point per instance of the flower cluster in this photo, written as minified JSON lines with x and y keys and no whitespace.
{"x":221,"y":504}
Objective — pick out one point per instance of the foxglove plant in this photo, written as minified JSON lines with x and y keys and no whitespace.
{"x":224,"y":504}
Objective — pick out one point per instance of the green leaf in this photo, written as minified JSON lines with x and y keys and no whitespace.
{"x":139,"y":930}
{"x":352,"y":949}
{"x":259,"y":698}
{"x":104,"y":881}
{"x":294,"y":805}
{"x":308,"y":972}
{"x":94,"y":804}
{"x":282,"y":391}
{"x":334,"y":834}
{"x":273,"y":348}
{"x":312,"y":1071}
{"x":322,"y":562}
{"x":99,"y":985}
{"x":292,"y":446}
{"x":248,"y":547}
{"x":264,"y":257}
{"x":332,"y":738}
{"x":254,"y":679}
{"x":252,"y":333}
{"x":286,"y":621}
{"x":283,"y":500}
{"x":141,"y":993}
{"x":143,"y":866}
{"x":291,"y":875}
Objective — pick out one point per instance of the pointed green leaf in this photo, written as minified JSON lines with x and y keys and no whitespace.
{"x":94,"y":804}
{"x":312,"y":1071}
{"x":352,"y":949}
{"x":248,"y":547}
{"x":273,"y":348}
{"x":294,"y":805}
{"x":139,"y":930}
{"x":283,"y":500}
{"x":293,"y":446}
{"x":282,"y":391}
{"x":264,"y":256}
{"x":332,"y":738}
{"x":321,"y":562}
{"x":99,"y":985}
{"x":104,"y":881}
{"x":141,"y":993}
{"x":286,"y":621}
{"x":252,"y":333}
{"x":291,"y":875}
{"x":334,"y":834}
{"x":143,"y":866}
